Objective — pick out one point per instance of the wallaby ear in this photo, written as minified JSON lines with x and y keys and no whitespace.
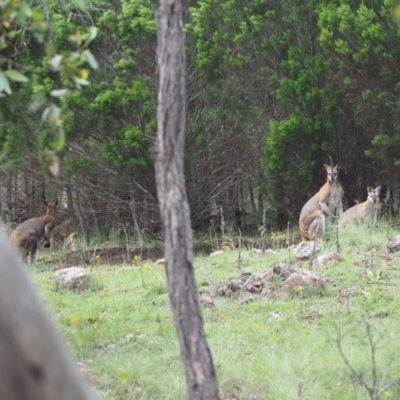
{"x":56,"y":202}
{"x":370,"y":189}
{"x":327,"y":167}
{"x":378,"y":189}
{"x":338,"y":166}
{"x":45,"y":203}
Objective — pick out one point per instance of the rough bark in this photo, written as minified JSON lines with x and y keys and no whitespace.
{"x":199,"y":369}
{"x":33,"y":362}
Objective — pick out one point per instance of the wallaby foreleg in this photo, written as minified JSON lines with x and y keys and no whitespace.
{"x":326,"y":210}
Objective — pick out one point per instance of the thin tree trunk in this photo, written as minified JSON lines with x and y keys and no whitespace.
{"x":200,"y":373}
{"x":79,"y":215}
{"x":33,"y":362}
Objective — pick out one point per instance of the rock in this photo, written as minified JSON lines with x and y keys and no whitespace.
{"x":266,"y":275}
{"x":246,"y":297}
{"x":235,"y":285}
{"x":222,"y":290}
{"x":283,"y":270}
{"x":393,"y":244}
{"x":217,"y":253}
{"x":306,"y":249}
{"x":274,"y":315}
{"x":74,"y":278}
{"x":312,"y":280}
{"x":327,"y":258}
{"x":298,"y":281}
{"x":294,"y":281}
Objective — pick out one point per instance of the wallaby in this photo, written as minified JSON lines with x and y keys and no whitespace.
{"x":28,"y":235}
{"x":327,"y":203}
{"x":363,"y":212}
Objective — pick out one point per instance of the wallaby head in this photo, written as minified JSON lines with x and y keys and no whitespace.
{"x":27,"y":236}
{"x":332,"y":172}
{"x":373,"y":194}
{"x":51,"y":207}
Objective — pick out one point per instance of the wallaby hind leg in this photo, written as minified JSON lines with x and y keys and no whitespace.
{"x":33,"y":257}
{"x":317,"y":226}
{"x":32,"y":245}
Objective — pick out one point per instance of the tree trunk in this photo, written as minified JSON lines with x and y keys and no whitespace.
{"x":33,"y":362}
{"x":79,"y":215}
{"x":199,"y":369}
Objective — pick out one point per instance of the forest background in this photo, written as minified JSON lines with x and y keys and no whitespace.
{"x":273,"y":90}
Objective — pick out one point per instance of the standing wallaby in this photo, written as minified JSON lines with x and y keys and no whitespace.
{"x":327,"y":203}
{"x":363,"y":212}
{"x":28,"y":235}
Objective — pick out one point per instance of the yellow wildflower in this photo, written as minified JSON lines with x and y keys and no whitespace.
{"x":84,"y":73}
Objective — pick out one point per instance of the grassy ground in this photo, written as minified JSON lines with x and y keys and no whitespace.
{"x":121,"y":331}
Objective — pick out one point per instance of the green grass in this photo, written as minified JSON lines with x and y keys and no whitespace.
{"x":121,"y":331}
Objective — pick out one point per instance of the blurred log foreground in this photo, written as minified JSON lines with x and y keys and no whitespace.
{"x":34,"y":364}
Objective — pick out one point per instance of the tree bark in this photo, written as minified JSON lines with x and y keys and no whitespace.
{"x":33,"y":362}
{"x":199,"y":369}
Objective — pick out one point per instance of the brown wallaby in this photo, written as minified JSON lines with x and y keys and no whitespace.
{"x":327,"y":203}
{"x":28,"y":235}
{"x":363,"y":212}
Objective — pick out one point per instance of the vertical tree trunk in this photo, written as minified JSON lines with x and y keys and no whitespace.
{"x":33,"y":362}
{"x":200,"y":373}
{"x":79,"y":215}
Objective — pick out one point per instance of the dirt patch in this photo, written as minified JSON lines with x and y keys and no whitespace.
{"x":113,"y":255}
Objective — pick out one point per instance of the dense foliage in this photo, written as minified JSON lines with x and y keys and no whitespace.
{"x":274,"y":90}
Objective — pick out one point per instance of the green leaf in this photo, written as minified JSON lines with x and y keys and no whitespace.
{"x":93,"y":33}
{"x":80,"y":82}
{"x":56,"y":62}
{"x":60,"y":92}
{"x":4,"y":84}
{"x":60,"y":142}
{"x":91,"y":60}
{"x":16,"y":76}
{"x":51,"y":113}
